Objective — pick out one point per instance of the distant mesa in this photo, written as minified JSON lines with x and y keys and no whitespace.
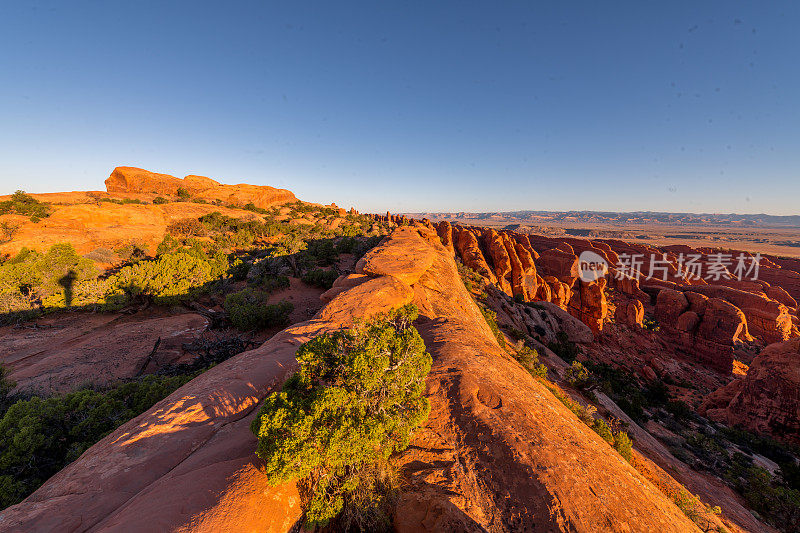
{"x":137,"y":180}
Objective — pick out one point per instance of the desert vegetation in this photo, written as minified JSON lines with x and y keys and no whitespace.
{"x":25,"y":205}
{"x":39,"y":436}
{"x":196,"y":256}
{"x":356,"y":399}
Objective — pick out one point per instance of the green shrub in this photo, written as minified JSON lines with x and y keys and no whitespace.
{"x":473,"y":281}
{"x":25,"y":205}
{"x":601,"y":428}
{"x":252,"y":207}
{"x":577,"y":375}
{"x":491,"y":319}
{"x":6,"y":386}
{"x":355,"y":400}
{"x":132,"y":252}
{"x":649,"y":323}
{"x":168,"y":279}
{"x":777,"y":502}
{"x":239,"y":270}
{"x":40,"y":436}
{"x":680,"y":410}
{"x":320,"y":278}
{"x":184,"y":227}
{"x":274,"y":283}
{"x":624,"y":445}
{"x":158,"y":200}
{"x":8,"y":230}
{"x":248,"y":310}
{"x":30,"y":278}
{"x":182,"y":193}
{"x":529,"y":359}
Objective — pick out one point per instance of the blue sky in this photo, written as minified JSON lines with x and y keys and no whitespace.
{"x":473,"y":106}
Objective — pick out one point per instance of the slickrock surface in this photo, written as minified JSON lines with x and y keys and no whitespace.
{"x":67,"y":352}
{"x":498,"y":453}
{"x":106,"y":225}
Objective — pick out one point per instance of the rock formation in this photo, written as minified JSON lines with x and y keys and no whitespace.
{"x":767,"y":399}
{"x":137,"y":180}
{"x":497,"y":453}
{"x":630,"y":313}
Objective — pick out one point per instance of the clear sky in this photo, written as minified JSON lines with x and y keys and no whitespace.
{"x":414,"y":106}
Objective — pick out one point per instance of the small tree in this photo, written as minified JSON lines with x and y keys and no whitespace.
{"x":355,"y":400}
{"x":248,"y":310}
{"x":577,"y":375}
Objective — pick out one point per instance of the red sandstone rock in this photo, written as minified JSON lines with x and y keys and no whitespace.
{"x":562,"y":265}
{"x":670,"y":304}
{"x":544,"y":292}
{"x":723,"y":322}
{"x":530,"y":275}
{"x":697,"y":302}
{"x":94,"y":349}
{"x":469,"y":469}
{"x":470,"y":253}
{"x":688,"y":322}
{"x":560,"y":292}
{"x":589,"y":304}
{"x":767,"y":399}
{"x":445,"y":231}
{"x":766,"y":318}
{"x":630,"y":313}
{"x":500,"y":260}
{"x":137,"y":180}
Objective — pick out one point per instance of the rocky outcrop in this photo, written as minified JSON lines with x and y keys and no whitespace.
{"x":766,"y":318}
{"x":767,"y":399}
{"x":630,"y":313}
{"x":445,"y":232}
{"x":559,"y":264}
{"x":670,"y":304}
{"x":588,"y":303}
{"x":470,"y":253}
{"x":560,"y":292}
{"x":707,"y":328}
{"x":500,"y":260}
{"x":137,"y":180}
{"x":498,"y":452}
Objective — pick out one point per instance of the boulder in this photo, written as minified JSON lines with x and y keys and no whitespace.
{"x":670,"y":304}
{"x":560,"y":264}
{"x":630,"y":313}
{"x":697,"y":302}
{"x":723,"y":323}
{"x":688,"y":322}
